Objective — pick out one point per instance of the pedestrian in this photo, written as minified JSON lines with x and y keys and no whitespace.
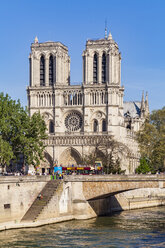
{"x":40,"y":196}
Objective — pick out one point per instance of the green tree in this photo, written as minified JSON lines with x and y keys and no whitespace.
{"x":151,"y":140}
{"x":6,"y":153}
{"x":24,"y":134}
{"x":143,"y":167}
{"x":33,"y":141}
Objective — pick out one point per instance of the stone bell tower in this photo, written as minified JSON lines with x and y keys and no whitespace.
{"x":49,"y":69}
{"x":102,"y":85}
{"x":49,"y":64}
{"x":102,"y":62}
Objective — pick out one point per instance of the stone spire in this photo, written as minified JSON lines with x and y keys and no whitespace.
{"x":36,"y":40}
{"x":142,"y":106}
{"x":105,"y":30}
{"x":146,"y":105}
{"x":105,"y":33}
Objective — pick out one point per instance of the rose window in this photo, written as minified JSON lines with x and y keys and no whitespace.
{"x":73,"y":121}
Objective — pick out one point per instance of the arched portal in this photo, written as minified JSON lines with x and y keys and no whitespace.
{"x":70,"y":157}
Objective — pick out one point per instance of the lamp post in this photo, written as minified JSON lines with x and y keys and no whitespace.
{"x":53,"y":160}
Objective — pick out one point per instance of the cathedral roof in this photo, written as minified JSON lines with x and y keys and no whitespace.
{"x":132,"y":109}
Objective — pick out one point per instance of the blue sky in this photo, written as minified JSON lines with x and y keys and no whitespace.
{"x":138,"y":26}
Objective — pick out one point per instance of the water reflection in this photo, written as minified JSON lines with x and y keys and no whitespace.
{"x":136,"y":228}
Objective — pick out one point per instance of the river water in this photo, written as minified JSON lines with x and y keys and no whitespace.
{"x":135,"y":228}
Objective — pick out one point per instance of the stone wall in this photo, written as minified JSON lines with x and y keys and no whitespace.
{"x":59,"y":205}
{"x":17,"y":194}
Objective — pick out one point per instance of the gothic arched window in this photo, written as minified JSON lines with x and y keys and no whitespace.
{"x":95,"y":126}
{"x":104,"y":126}
{"x":42,"y":71}
{"x":51,"y":127}
{"x":103,"y":68}
{"x":95,"y":71}
{"x":51,"y":70}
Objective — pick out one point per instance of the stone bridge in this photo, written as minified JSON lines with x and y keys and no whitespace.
{"x":100,"y":195}
{"x":101,"y":186}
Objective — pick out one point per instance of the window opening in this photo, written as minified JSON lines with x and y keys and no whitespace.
{"x":42,"y":71}
{"x":95,"y":126}
{"x":51,"y":127}
{"x":51,"y":70}
{"x":103,"y":68}
{"x":104,"y":126}
{"x":95,"y":64}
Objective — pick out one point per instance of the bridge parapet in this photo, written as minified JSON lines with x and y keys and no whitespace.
{"x":112,"y":178}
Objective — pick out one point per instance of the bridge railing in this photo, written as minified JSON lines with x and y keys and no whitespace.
{"x":97,"y":178}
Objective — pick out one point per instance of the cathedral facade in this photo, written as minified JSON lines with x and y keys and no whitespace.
{"x":80,"y":117}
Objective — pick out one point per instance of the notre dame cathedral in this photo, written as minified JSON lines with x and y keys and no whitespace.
{"x":80,"y":117}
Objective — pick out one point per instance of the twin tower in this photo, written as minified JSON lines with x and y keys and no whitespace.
{"x":50,"y":63}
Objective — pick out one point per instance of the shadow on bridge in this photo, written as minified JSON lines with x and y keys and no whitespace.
{"x":106,"y":204}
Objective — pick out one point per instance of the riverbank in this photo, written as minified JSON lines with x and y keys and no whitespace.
{"x":79,"y":197}
{"x":18,"y":225}
{"x":134,"y":203}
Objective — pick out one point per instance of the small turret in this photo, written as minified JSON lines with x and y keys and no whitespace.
{"x":110,"y":36}
{"x":142,"y":109}
{"x":36,"y":40}
{"x":146,"y":106}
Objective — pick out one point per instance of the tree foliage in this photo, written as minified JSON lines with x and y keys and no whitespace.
{"x":151,"y":140}
{"x":19,"y":133}
{"x":144,"y":167}
{"x":107,"y":152}
{"x":6,"y":153}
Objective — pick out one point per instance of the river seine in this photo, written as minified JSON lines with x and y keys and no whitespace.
{"x":135,"y":228}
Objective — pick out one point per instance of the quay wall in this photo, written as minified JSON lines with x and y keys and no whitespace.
{"x":17,"y":194}
{"x":71,"y":201}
